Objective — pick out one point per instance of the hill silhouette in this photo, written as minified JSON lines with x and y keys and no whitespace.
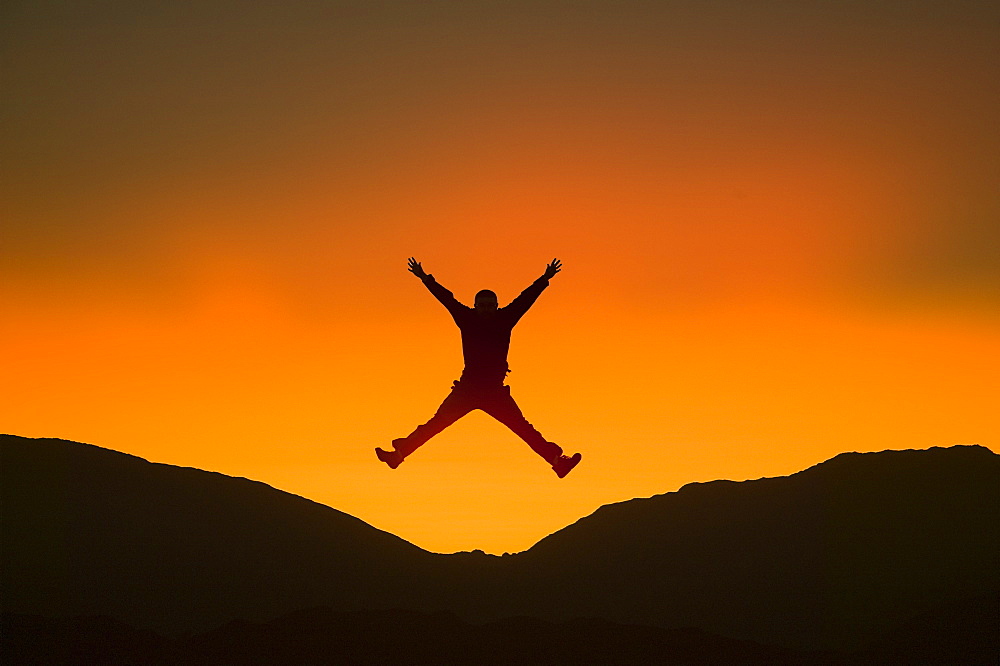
{"x":838,"y":556}
{"x":827,"y":557}
{"x":90,"y":531}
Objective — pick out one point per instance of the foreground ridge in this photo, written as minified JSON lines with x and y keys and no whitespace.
{"x":828,"y":558}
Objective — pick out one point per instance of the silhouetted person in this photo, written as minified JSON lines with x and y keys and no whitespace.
{"x":485,"y":340}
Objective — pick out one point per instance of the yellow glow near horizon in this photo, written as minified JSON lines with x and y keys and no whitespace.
{"x":778,"y":229}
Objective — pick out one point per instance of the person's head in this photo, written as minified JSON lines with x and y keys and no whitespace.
{"x":486,"y":301}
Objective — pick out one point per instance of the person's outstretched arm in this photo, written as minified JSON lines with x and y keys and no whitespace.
{"x":446,"y":297}
{"x":520,"y":305}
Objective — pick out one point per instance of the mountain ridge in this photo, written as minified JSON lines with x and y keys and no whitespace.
{"x":823,"y":558}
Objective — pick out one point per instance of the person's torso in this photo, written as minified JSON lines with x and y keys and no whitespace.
{"x":485,"y":342}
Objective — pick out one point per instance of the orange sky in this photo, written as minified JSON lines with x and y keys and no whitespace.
{"x":780,"y":229}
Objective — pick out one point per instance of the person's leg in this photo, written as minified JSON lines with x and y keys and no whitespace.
{"x":454,"y":407}
{"x":502,"y":407}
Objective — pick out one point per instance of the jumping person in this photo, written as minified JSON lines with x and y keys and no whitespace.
{"x":485,"y":340}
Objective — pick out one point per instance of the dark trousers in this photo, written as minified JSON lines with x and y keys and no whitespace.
{"x":495,"y":401}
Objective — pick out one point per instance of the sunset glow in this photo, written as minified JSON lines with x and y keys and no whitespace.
{"x":780,"y":231}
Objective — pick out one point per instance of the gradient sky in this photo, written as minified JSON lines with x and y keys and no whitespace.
{"x":780,"y":224}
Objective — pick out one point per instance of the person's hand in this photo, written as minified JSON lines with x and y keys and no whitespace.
{"x":552,"y":269}
{"x":414,"y":267}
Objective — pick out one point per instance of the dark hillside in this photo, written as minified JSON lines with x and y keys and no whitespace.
{"x":830,"y":558}
{"x":826,"y":557}
{"x":89,"y":531}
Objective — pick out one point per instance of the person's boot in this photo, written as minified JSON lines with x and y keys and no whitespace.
{"x":564,"y":464}
{"x":390,"y":458}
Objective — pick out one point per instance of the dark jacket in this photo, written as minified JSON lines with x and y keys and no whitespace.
{"x":486,"y":337}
